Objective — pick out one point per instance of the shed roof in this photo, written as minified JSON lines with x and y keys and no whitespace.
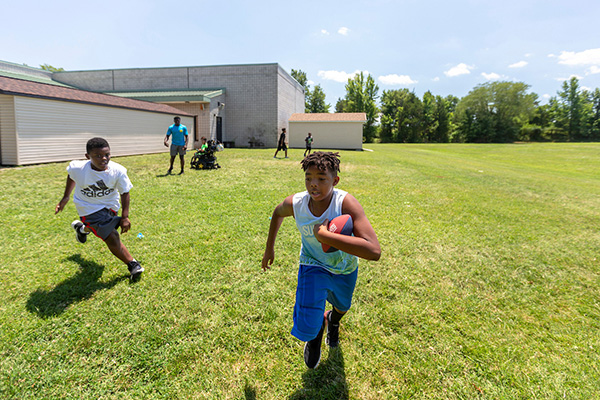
{"x":195,"y":95}
{"x":329,"y":117}
{"x":20,"y":87}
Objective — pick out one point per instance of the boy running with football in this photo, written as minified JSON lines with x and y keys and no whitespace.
{"x":98,"y":184}
{"x":323,"y":276}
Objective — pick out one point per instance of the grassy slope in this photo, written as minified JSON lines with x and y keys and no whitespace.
{"x":488,"y":285}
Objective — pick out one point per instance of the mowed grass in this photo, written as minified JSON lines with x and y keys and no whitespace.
{"x":488,"y":286}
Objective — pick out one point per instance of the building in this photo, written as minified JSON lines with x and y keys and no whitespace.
{"x":44,"y":122}
{"x":343,"y":131}
{"x":240,"y":105}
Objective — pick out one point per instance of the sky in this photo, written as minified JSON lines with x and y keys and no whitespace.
{"x":445,"y":47}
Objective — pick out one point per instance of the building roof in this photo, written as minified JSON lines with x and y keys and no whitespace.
{"x":329,"y":117}
{"x":33,"y":78}
{"x":25,"y":72}
{"x":165,"y":96}
{"x":20,"y":87}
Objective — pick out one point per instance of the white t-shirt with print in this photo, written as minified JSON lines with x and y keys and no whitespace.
{"x":95,"y":190}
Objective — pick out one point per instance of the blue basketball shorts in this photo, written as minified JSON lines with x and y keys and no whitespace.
{"x":316,"y":285}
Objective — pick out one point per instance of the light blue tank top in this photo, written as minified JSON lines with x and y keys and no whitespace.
{"x":311,"y":252}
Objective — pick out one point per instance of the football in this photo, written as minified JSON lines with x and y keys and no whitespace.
{"x":342,"y":225}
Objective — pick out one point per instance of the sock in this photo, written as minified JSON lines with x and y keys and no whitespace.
{"x":334,"y":316}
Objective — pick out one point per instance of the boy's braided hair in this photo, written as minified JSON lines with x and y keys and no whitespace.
{"x":96,"y":143}
{"x":323,"y":161}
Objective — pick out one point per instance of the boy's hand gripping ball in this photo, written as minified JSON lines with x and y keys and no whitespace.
{"x":341,"y":225}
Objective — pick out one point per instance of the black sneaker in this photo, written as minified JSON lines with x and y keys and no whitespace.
{"x":81,"y":237}
{"x":181,"y":172}
{"x":312,"y":350}
{"x":135,"y":269}
{"x":169,"y":171}
{"x":333,"y":331}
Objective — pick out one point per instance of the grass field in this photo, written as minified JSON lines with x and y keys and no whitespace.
{"x":488,"y":286}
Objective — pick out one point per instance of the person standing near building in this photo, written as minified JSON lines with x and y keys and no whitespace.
{"x":309,"y":142}
{"x":178,"y":143}
{"x":281,"y":144}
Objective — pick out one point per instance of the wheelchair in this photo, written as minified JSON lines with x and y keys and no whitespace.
{"x":206,"y":159}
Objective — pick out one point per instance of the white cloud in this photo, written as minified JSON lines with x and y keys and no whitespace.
{"x":528,"y":55}
{"x":343,"y":31}
{"x":594,"y":69}
{"x":436,"y":79}
{"x":460,"y":69}
{"x":310,"y":83}
{"x":491,"y":77}
{"x":566,"y":79}
{"x":339,"y":76}
{"x":519,"y":64}
{"x":395,"y":79}
{"x":324,"y":32}
{"x":586,"y":57}
{"x":546,"y":96}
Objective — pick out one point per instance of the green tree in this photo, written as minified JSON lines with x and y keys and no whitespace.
{"x":316,"y":101}
{"x":571,"y":110}
{"x":494,"y":112}
{"x":341,"y":106}
{"x":430,"y":121}
{"x":441,"y":134}
{"x":361,"y":96}
{"x":595,"y":116}
{"x":300,"y":76}
{"x":48,"y":67}
{"x":401,"y":117}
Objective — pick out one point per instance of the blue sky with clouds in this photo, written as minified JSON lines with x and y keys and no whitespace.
{"x":447,"y":47}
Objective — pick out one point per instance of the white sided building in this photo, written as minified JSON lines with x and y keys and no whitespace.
{"x":45,"y":122}
{"x":342,"y":131}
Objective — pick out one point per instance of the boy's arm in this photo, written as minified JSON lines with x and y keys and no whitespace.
{"x":363,"y":244}
{"x":65,"y":199}
{"x":285,"y":209}
{"x":125,"y":223}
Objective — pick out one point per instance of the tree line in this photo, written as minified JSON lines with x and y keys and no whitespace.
{"x":493,"y":112}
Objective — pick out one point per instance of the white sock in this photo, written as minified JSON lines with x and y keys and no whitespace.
{"x":82,"y":230}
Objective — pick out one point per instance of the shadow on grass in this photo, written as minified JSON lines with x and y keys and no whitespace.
{"x":49,"y":303}
{"x":249,"y":392}
{"x":328,"y":381}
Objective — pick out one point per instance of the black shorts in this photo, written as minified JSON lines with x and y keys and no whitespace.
{"x":282,"y":147}
{"x":102,"y":222}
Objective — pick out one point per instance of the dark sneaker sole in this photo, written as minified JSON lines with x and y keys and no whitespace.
{"x":81,"y":237}
{"x":306,"y":351}
{"x":136,"y":274}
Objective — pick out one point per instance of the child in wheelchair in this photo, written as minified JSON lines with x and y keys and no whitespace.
{"x":204,"y":158}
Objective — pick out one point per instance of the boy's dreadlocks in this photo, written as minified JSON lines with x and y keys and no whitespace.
{"x":323,"y":161}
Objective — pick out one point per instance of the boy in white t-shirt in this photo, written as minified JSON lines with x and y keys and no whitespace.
{"x":98,"y":184}
{"x":323,"y":276}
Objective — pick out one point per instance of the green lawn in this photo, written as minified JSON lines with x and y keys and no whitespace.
{"x":488,"y":285}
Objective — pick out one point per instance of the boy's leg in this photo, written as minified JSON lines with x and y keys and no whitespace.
{"x":340,"y":298}
{"x":113,"y":241}
{"x":332,"y":319}
{"x":311,"y":294}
